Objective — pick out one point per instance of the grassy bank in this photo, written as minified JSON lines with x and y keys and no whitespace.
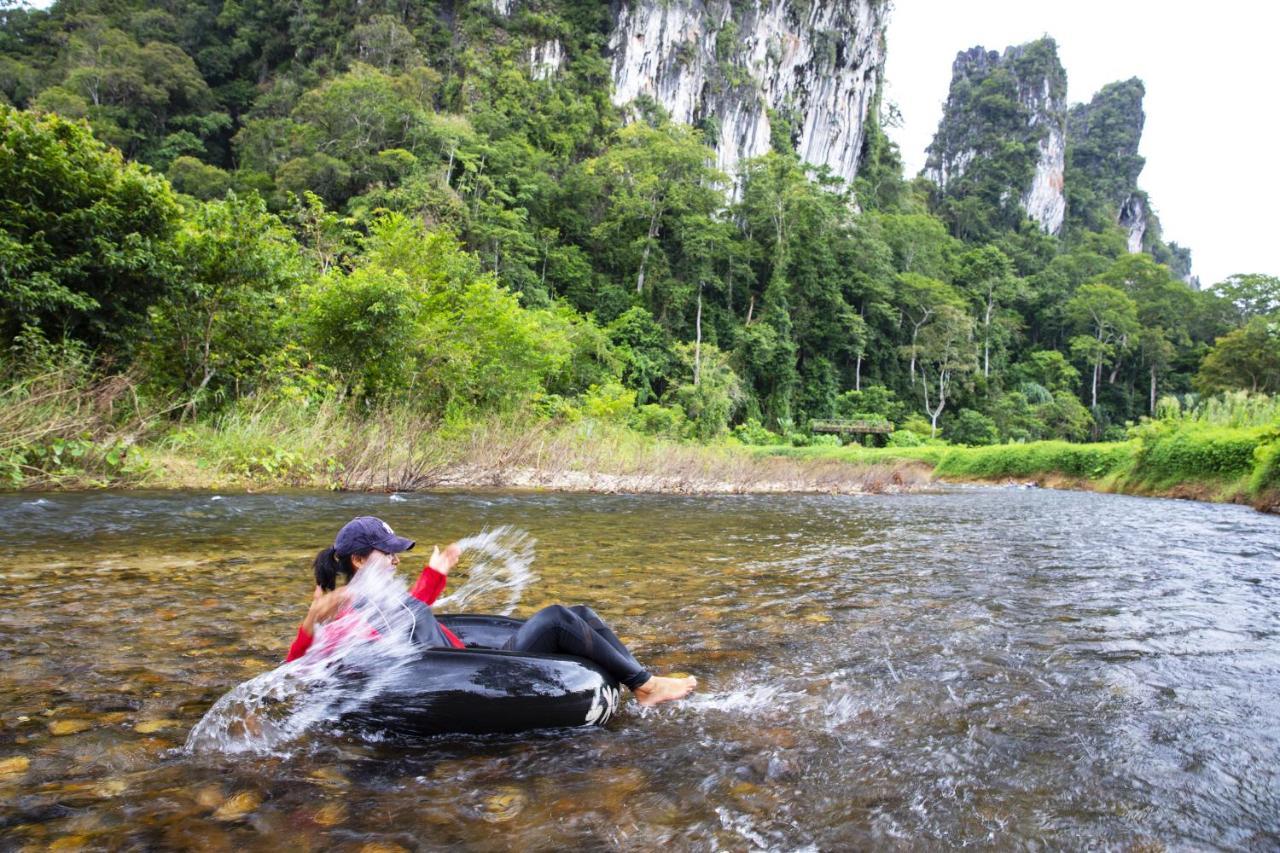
{"x":63,"y":430}
{"x":1185,"y":459}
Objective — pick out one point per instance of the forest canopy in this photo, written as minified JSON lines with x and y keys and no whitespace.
{"x":382,"y":202}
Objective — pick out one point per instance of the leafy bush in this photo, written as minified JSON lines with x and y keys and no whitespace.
{"x":905,"y":438}
{"x":972,"y":428}
{"x":1091,"y":461}
{"x":753,"y":432}
{"x":1266,"y":473}
{"x":610,"y":402}
{"x":875,"y":402}
{"x":653,"y":419}
{"x":1170,"y":453}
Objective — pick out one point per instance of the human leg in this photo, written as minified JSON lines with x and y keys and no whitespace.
{"x":559,"y":630}
{"x":579,"y":631}
{"x":586,"y":614}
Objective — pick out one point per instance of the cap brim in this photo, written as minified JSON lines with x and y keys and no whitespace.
{"x":395,"y":544}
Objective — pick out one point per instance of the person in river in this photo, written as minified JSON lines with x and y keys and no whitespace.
{"x":556,"y":629}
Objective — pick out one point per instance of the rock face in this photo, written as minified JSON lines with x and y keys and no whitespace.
{"x":545,"y":59}
{"x":756,"y":73}
{"x":1133,"y":218}
{"x":1018,"y":96}
{"x":1103,"y":163}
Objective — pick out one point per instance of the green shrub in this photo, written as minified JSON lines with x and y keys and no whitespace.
{"x":972,"y":428}
{"x":753,"y":432}
{"x":904,"y":438}
{"x":1092,"y":461}
{"x":653,"y":419}
{"x":1188,"y":451}
{"x":1266,"y":472}
{"x":609,"y":402}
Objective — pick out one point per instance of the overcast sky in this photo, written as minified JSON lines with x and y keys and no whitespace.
{"x":1211,"y":137}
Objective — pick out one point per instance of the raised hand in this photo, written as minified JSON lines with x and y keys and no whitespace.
{"x":443,"y":561}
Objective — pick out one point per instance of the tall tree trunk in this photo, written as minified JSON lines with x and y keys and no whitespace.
{"x":1153,"y":390}
{"x":986,"y":342}
{"x":1097,"y":372}
{"x":857,"y":374}
{"x":914,"y":332}
{"x":654,"y":220}
{"x":697,"y":342}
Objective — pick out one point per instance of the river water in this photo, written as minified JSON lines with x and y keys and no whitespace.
{"x":986,"y":667}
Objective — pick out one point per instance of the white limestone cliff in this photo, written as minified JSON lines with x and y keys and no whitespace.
{"x":726,"y":66}
{"x":1133,"y":218}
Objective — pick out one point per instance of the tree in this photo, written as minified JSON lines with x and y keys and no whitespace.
{"x":946,"y":352}
{"x":86,"y":240}
{"x":1248,"y":358}
{"x":212,"y":333}
{"x":1252,"y":294}
{"x":645,"y":351}
{"x":1166,"y":307}
{"x":649,"y":176}
{"x":987,"y":274}
{"x":921,"y":300}
{"x":1108,"y":318}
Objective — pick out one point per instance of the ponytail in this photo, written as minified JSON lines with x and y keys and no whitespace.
{"x":329,"y":564}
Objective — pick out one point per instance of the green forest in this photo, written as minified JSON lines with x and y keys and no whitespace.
{"x":228,"y":205}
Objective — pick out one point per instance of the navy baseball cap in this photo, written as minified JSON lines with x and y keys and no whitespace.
{"x":366,"y":532}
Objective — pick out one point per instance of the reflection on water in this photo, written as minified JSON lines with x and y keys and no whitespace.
{"x":986,"y":667}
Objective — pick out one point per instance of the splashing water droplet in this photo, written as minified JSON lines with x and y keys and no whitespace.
{"x":502,"y":562}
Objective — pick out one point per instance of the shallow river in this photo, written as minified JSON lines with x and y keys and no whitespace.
{"x":974,"y":667}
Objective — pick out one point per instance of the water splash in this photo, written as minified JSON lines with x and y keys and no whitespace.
{"x":357,"y":655}
{"x":351,"y":660}
{"x":502,"y":562}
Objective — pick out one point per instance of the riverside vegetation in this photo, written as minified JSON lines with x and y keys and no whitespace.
{"x":370,"y":250}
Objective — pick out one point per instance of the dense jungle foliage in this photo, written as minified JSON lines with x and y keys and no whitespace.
{"x":390,"y":202}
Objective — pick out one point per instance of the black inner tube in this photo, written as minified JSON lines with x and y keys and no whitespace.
{"x":483,"y":689}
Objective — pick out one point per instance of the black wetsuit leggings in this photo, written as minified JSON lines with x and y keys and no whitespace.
{"x":578,"y":631}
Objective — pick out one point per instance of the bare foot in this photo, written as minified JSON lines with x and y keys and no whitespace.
{"x":659,"y":689}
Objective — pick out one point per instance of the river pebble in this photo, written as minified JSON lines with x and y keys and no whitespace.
{"x":148,"y":727}
{"x":237,"y":806}
{"x":14,"y":766}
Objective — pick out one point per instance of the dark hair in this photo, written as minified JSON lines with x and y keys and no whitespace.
{"x":329,"y":564}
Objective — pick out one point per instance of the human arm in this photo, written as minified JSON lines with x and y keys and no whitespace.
{"x":436,"y":573}
{"x":323,"y":606}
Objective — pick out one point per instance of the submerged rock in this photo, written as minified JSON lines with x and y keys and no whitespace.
{"x":238,"y":806}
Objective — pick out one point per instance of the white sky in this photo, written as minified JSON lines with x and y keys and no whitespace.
{"x":1211,"y":135}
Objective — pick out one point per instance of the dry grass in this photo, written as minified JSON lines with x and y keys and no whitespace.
{"x":394,"y":450}
{"x":62,"y":427}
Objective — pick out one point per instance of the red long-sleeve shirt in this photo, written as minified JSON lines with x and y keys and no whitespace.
{"x":427,"y":589}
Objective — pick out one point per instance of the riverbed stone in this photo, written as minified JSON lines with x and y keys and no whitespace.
{"x":503,"y":805}
{"x":382,"y":847}
{"x":149,"y":727}
{"x":330,"y":777}
{"x":330,"y":814}
{"x":238,"y":806}
{"x":209,"y":796}
{"x":15,"y":766}
{"x":61,"y":728}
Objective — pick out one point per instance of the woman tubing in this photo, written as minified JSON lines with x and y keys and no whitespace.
{"x":555,"y":629}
